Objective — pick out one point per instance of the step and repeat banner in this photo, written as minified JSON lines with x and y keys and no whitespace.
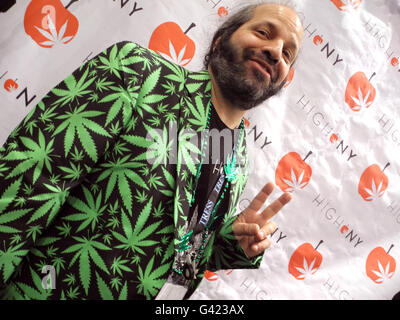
{"x":332,"y":136}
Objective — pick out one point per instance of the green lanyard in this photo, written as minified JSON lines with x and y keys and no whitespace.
{"x":212,"y":204}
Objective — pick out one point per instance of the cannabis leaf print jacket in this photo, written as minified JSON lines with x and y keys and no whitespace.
{"x":91,"y":188}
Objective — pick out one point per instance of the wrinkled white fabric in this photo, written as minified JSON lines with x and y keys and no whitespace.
{"x":342,"y":105}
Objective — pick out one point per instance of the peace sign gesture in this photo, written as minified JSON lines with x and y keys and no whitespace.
{"x":252,"y":227}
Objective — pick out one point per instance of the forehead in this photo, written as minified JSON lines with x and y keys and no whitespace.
{"x":282,"y":16}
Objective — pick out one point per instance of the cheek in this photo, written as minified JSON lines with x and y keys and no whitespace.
{"x":284,"y":72}
{"x":244,"y":40}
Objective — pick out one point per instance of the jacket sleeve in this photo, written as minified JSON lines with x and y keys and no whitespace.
{"x":57,"y":144}
{"x":227,"y":252}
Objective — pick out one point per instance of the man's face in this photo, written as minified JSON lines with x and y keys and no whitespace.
{"x":254,"y":63}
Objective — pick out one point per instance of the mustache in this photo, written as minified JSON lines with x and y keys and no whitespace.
{"x":251,"y":54}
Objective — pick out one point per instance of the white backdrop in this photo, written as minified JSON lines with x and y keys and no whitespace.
{"x":339,"y":237}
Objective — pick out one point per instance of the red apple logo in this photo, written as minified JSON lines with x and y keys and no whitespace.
{"x":212,"y":276}
{"x":360,"y":93}
{"x":373,"y":182}
{"x":49,"y":24}
{"x":347,"y":5}
{"x":10,"y":85}
{"x":172,"y":43}
{"x":317,"y":40}
{"x":293,"y":173}
{"x":380,"y":265}
{"x":344,"y":229}
{"x":223,"y":12}
{"x":333,"y":138}
{"x":394,"y":62}
{"x":289,"y":77}
{"x":305,"y":261}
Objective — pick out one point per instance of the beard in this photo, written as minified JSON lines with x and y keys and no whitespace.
{"x":237,"y":85}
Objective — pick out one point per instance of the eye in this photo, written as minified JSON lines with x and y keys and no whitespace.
{"x":287,"y":54}
{"x":263,"y":33}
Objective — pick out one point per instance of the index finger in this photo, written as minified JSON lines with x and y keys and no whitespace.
{"x":276,"y":206}
{"x":262,"y":196}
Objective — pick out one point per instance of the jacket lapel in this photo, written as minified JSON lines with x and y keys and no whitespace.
{"x":238,"y":184}
{"x":195,"y":103}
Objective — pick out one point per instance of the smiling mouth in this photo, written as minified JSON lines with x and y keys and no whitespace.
{"x":263,"y":67}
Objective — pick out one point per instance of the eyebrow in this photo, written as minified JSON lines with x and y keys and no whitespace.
{"x":291,"y":43}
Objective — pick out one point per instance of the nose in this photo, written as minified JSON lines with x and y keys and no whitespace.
{"x":273,"y":51}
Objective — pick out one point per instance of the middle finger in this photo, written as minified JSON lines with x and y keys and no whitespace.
{"x":276,"y":206}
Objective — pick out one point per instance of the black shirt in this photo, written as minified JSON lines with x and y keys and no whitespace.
{"x":221,"y":140}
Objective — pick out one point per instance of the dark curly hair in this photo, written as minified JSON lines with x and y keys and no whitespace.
{"x":228,"y":28}
{"x":234,"y":22}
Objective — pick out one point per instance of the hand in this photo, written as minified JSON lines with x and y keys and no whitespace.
{"x":252,"y":227}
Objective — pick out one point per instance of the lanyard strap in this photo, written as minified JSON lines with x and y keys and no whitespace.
{"x":212,"y":200}
{"x":210,"y":205}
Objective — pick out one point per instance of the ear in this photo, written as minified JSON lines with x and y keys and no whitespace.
{"x":216,"y":43}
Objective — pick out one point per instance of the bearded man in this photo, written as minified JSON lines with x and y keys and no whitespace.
{"x":111,"y":188}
